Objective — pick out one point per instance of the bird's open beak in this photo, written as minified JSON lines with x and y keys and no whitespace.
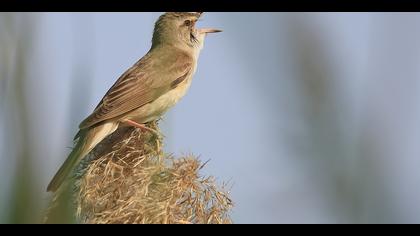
{"x":208,"y":30}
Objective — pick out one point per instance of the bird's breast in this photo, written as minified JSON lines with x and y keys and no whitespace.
{"x":170,"y":98}
{"x":155,"y":109}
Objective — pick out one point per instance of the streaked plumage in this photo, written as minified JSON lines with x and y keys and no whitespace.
{"x":145,"y":91}
{"x":143,"y":83}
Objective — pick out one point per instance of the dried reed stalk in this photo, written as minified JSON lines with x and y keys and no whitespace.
{"x":128,"y":179}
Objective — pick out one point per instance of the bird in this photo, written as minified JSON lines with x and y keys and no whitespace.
{"x":144,"y":92}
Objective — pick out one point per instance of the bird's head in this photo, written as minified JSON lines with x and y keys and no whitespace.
{"x":179,"y":28}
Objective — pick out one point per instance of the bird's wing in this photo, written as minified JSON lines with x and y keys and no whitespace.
{"x":151,"y":77}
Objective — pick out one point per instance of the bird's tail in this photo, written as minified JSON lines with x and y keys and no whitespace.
{"x":87,"y":140}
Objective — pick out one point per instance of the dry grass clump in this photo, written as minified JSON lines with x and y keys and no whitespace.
{"x":130,"y":180}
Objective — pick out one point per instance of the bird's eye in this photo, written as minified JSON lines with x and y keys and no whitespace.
{"x":187,"y":23}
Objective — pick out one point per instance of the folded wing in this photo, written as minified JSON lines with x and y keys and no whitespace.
{"x":152,"y":76}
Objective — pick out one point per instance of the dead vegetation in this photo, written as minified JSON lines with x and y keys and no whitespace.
{"x":127,"y":179}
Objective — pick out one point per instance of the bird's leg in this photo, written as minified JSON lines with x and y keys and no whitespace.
{"x":141,"y":126}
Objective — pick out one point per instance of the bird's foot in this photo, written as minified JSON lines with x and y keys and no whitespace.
{"x":145,"y":128}
{"x":142,"y":127}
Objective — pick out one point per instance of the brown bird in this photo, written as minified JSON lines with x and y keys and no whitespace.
{"x":145,"y":91}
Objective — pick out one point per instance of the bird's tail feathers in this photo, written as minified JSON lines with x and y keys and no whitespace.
{"x":86,"y":141}
{"x":68,"y":165}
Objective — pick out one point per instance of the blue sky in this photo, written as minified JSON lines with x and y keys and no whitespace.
{"x":248,"y":111}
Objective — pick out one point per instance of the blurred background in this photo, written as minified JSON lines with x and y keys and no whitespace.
{"x":311,"y":117}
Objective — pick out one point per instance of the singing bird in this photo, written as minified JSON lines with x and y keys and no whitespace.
{"x":146,"y":90}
